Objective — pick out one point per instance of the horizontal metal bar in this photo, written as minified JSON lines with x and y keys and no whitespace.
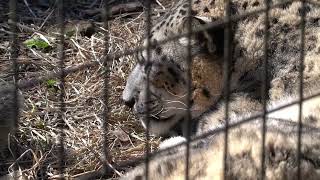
{"x":24,"y":84}
{"x":219,"y":130}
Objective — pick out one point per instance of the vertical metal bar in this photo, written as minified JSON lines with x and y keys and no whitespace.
{"x":14,"y":53}
{"x":302,"y":52}
{"x":105,"y":86}
{"x":61,"y":54}
{"x":265,"y":87}
{"x":189,"y":66}
{"x":226,"y":69}
{"x":147,"y":116}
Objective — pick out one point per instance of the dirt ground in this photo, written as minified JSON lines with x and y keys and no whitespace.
{"x":37,"y":139}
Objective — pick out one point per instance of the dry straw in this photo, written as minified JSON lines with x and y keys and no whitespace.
{"x":37,"y":134}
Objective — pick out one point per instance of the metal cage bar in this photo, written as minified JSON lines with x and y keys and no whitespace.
{"x":23,"y":84}
{"x":227,"y":23}
{"x":264,"y":87}
{"x":301,"y":68}
{"x":105,"y":92}
{"x":14,"y":53}
{"x":61,"y":56}
{"x":222,"y":129}
{"x":226,"y":75}
{"x":187,"y":122}
{"x":148,"y":69}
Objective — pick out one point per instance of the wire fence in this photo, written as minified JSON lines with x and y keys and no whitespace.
{"x":225,"y":22}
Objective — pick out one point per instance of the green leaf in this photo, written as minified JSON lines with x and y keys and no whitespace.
{"x":37,"y":42}
{"x":51,"y":83}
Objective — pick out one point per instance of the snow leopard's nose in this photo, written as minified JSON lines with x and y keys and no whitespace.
{"x":129,"y":102}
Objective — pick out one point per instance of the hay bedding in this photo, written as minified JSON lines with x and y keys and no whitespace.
{"x":36,"y":140}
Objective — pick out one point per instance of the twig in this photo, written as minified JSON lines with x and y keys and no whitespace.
{"x":45,"y":20}
{"x":159,"y":3}
{"x":26,"y":3}
{"x":28,"y":29}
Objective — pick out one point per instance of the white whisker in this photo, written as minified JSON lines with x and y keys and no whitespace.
{"x":156,"y":117}
{"x":174,"y":108}
{"x":180,"y":102}
{"x":184,"y":95}
{"x":159,"y":112}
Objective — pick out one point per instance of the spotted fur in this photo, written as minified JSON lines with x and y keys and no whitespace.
{"x":167,"y":65}
{"x":244,"y":149}
{"x":246,"y":76}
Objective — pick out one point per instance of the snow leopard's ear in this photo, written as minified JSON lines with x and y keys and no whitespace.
{"x":203,"y":39}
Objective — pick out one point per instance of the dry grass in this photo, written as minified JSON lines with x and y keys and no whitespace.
{"x":38,"y":134}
